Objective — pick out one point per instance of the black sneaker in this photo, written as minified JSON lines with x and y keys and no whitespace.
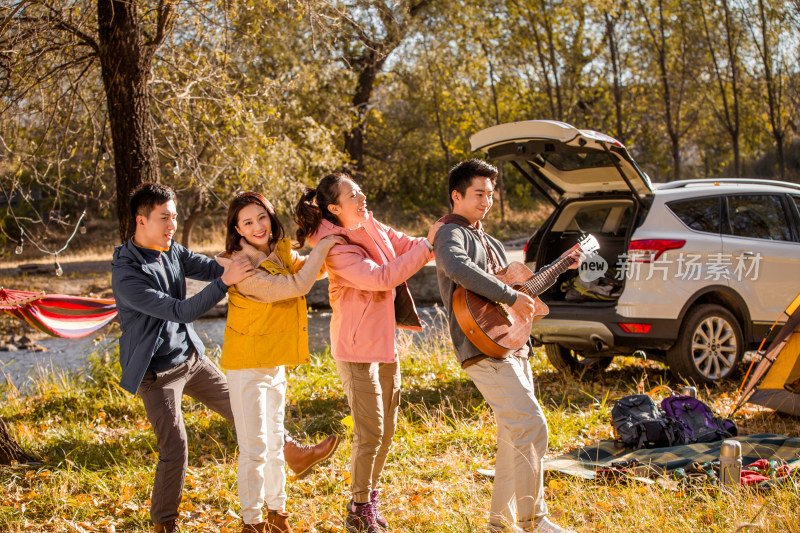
{"x":361,"y":518}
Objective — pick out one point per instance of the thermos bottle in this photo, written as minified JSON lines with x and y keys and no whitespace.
{"x":730,"y":463}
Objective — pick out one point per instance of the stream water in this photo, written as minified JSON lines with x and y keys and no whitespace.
{"x":23,"y":368}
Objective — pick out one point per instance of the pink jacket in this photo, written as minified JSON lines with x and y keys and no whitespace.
{"x":360,"y":285}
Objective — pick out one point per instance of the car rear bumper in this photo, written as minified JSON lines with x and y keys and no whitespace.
{"x":590,"y":333}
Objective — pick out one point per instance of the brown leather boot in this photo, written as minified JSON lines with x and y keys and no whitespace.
{"x":301,"y":458}
{"x":278,"y":522}
{"x":261,"y":527}
{"x":166,"y":527}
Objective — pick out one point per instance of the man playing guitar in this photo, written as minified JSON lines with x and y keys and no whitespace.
{"x":466,"y":256}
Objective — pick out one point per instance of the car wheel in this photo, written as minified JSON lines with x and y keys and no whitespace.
{"x":709,"y":346}
{"x":572,"y":361}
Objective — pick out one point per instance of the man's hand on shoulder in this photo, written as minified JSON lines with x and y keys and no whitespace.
{"x":237,"y":270}
{"x":524,"y":305}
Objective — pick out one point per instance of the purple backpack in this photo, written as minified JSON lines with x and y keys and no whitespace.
{"x":694,"y":421}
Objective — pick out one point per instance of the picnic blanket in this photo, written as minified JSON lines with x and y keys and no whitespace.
{"x":586,"y":461}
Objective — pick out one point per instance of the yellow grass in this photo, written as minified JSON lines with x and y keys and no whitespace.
{"x":99,"y":454}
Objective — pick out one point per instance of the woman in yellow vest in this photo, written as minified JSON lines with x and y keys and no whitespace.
{"x":267,"y":328}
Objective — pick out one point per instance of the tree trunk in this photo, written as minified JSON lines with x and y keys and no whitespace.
{"x":619,"y":134}
{"x":543,"y":65}
{"x":773,"y":89}
{"x":729,"y":116}
{"x":733,"y":55}
{"x":502,"y":192}
{"x":675,"y":151}
{"x":781,"y":155}
{"x":194,"y":214}
{"x":554,"y":62}
{"x":672,"y":105}
{"x":125,"y":61}
{"x":496,"y":105}
{"x":354,"y":139}
{"x":439,"y":128}
{"x":10,"y":451}
{"x":370,"y":63}
{"x":188,"y":226}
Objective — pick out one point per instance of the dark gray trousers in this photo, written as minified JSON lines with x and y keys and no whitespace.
{"x":162,"y":393}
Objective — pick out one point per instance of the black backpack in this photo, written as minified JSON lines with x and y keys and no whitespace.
{"x":640,"y":423}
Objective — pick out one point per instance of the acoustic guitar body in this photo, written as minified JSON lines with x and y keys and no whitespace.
{"x":496,"y":329}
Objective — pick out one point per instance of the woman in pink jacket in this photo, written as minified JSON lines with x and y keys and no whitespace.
{"x":369,"y":298}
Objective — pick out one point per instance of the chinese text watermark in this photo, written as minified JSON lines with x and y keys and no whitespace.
{"x":684,"y":266}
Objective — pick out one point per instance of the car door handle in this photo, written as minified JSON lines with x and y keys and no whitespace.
{"x":746,"y":253}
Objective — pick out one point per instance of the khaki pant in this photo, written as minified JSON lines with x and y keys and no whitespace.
{"x":373,"y":394}
{"x":162,"y":393}
{"x":518,"y":495}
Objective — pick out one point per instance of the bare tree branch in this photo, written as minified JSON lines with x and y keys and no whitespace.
{"x":11,"y":15}
{"x":163,"y":20}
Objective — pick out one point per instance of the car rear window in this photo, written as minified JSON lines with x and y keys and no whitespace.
{"x":759,"y":216}
{"x":591,"y":219}
{"x":700,"y":214}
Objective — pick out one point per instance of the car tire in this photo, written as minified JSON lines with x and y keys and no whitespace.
{"x":710,"y":345}
{"x":573,"y":361}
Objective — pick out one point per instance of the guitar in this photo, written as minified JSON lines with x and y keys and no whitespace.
{"x":498,"y":330}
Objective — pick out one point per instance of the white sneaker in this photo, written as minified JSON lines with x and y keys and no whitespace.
{"x":546,"y":526}
{"x":505,"y":529}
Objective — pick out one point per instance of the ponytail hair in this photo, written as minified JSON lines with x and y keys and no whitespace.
{"x":233,"y":238}
{"x":312,"y":208}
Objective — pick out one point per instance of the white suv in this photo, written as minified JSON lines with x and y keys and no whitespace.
{"x":692,"y":272}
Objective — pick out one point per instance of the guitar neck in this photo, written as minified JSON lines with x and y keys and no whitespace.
{"x":545,"y":278}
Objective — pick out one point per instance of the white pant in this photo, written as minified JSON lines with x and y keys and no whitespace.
{"x":507,"y":386}
{"x":257,"y":400}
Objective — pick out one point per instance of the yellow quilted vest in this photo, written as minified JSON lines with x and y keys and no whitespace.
{"x":259,"y":335}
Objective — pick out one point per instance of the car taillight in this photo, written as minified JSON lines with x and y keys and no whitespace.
{"x":525,"y":249}
{"x":635,"y":328}
{"x":648,"y":250}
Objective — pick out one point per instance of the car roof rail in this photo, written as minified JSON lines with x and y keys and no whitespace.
{"x":679,"y":184}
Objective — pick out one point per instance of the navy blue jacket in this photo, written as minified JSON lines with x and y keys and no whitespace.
{"x":142,"y":291}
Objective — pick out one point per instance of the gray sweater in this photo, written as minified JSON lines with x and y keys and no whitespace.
{"x":461,"y":260}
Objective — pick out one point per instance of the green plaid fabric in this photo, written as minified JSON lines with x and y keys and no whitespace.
{"x":586,"y":461}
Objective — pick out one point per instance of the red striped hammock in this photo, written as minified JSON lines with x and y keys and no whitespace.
{"x":58,"y":315}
